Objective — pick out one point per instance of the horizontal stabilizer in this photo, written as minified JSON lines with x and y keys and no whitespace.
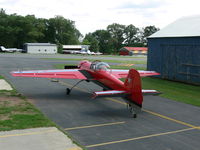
{"x":124,"y":73}
{"x":144,"y":73}
{"x":150,"y":92}
{"x":109,"y":93}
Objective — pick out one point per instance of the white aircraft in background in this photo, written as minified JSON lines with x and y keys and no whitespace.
{"x":87,"y":52}
{"x":11,"y":50}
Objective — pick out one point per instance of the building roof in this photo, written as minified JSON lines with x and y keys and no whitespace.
{"x":39,"y":44}
{"x":136,"y":48}
{"x":183,"y":27}
{"x":71,"y":46}
{"x":74,"y":46}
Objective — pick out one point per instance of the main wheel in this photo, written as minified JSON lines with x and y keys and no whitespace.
{"x":134,"y":115}
{"x":68,"y":91}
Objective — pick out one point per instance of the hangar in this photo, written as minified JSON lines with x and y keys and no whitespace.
{"x":174,"y":51}
{"x":133,"y":50}
{"x":44,"y":48}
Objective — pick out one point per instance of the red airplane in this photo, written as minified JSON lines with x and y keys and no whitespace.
{"x":99,"y":73}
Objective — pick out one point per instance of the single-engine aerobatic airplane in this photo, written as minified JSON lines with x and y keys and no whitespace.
{"x":99,"y":73}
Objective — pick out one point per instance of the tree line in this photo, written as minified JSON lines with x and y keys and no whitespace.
{"x":117,"y":36}
{"x":15,"y":30}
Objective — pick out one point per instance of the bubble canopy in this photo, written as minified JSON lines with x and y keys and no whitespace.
{"x":96,"y":65}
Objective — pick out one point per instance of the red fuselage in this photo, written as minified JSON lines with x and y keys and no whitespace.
{"x":103,"y":76}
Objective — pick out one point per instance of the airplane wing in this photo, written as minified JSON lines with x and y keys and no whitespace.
{"x":123,"y":73}
{"x":62,"y":73}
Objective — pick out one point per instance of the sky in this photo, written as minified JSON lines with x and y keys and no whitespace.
{"x":92,"y":15}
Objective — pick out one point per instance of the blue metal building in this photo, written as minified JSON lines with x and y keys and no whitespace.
{"x":174,"y":51}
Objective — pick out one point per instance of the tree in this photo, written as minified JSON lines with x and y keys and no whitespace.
{"x":4,"y":30}
{"x":92,"y":41}
{"x":15,"y":30}
{"x":117,"y":33}
{"x":2,"y":12}
{"x":105,"y":41}
{"x":147,"y":31}
{"x":130,"y":34}
{"x":31,"y":29}
{"x":61,"y":30}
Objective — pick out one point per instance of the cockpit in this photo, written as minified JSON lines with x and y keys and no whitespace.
{"x":98,"y":65}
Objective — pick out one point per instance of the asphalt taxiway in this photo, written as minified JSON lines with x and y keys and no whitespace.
{"x":105,"y":123}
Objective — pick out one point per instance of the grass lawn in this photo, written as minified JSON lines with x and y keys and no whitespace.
{"x":109,"y":61}
{"x":181,"y":92}
{"x":177,"y":91}
{"x":17,"y":113}
{"x":61,"y":66}
{"x":113,"y":56}
{"x":127,"y":67}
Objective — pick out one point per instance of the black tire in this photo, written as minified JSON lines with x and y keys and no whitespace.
{"x":68,"y":91}
{"x":134,"y":115}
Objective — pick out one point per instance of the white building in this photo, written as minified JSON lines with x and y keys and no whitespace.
{"x":43,"y":48}
{"x":68,"y":49}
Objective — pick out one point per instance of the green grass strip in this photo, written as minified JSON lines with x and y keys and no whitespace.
{"x":17,"y":113}
{"x":109,"y":61}
{"x":1,"y":77}
{"x":181,"y":92}
{"x":110,"y":56}
{"x":61,"y":66}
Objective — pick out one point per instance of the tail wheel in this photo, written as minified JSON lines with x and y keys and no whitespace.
{"x":131,"y":109}
{"x":134,"y":115}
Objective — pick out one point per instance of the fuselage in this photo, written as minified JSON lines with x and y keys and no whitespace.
{"x":102,"y":74}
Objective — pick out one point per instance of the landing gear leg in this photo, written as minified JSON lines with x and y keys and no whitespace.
{"x":68,"y":90}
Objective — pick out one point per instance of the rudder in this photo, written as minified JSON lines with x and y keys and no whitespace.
{"x":133,"y":84}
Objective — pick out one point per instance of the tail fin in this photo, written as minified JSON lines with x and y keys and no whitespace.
{"x":133,"y":83}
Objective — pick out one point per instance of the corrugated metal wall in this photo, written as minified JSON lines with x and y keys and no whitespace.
{"x":175,"y":58}
{"x":35,"y":49}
